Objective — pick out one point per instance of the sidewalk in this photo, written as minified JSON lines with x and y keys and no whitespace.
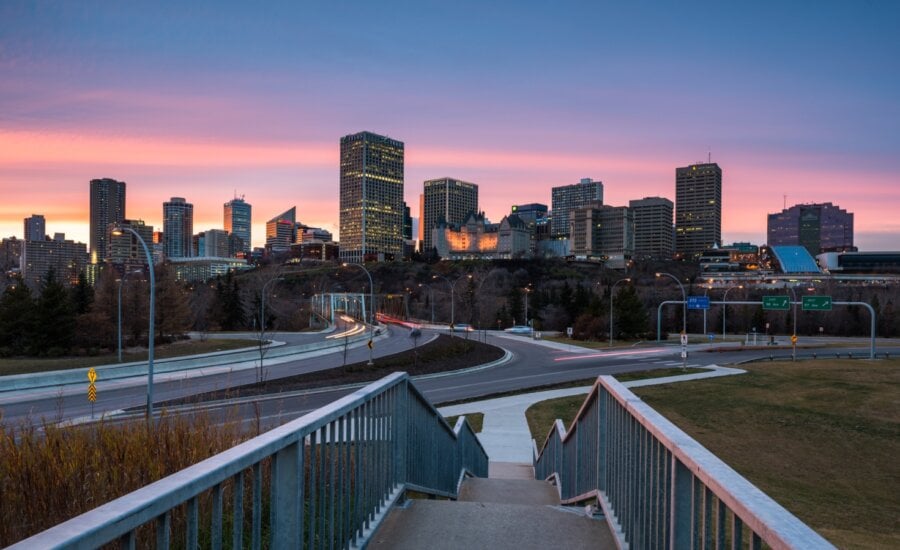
{"x":505,"y":434}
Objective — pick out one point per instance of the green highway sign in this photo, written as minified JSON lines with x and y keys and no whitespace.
{"x":816,"y":303}
{"x":776,"y":302}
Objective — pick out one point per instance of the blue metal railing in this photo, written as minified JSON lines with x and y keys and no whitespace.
{"x":329,"y":478}
{"x":658,"y":487}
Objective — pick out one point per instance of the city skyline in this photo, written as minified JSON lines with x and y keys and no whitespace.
{"x":788,"y":101}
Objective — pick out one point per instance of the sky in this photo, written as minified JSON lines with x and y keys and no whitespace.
{"x":208,"y":100}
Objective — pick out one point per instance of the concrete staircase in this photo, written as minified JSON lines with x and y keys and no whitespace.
{"x":510,"y":509}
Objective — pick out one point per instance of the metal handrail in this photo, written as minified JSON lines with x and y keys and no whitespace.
{"x":332,"y":476}
{"x":658,"y":487}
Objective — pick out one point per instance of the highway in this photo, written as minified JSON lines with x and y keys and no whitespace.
{"x":530,"y":364}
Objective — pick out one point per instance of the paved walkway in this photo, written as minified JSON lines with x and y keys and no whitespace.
{"x":505,"y":434}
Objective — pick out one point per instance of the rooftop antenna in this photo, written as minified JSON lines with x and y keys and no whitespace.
{"x":784,"y":206}
{"x":708,"y":155}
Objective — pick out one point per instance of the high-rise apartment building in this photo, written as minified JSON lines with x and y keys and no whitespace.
{"x":124,"y":248}
{"x":371,"y":197}
{"x":238,"y":220}
{"x":698,"y":208}
{"x":67,"y":259}
{"x":281,"y":231}
{"x":178,"y":228}
{"x":35,"y":228}
{"x":447,"y":199}
{"x":107,"y":206}
{"x":817,"y":227}
{"x":212,"y":243}
{"x":566,"y":198}
{"x":654,"y":234}
{"x":602,"y":232}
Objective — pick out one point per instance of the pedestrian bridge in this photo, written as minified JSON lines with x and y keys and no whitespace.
{"x":382,"y":468}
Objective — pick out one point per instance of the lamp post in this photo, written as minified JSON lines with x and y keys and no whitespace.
{"x":262,"y":308}
{"x":371,"y":308}
{"x":683,"y":300}
{"x":725,"y":307}
{"x":527,"y":291}
{"x":794,"y":315}
{"x":626,"y":279}
{"x":119,"y":230}
{"x":121,"y":284}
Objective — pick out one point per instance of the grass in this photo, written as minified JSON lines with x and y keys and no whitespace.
{"x":177,"y":349}
{"x":476,"y":420}
{"x":49,"y":474}
{"x":820,"y":437}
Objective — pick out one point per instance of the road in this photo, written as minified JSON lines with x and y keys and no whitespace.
{"x":530,"y":365}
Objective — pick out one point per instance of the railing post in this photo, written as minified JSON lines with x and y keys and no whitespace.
{"x":602,"y":438}
{"x":401,"y":431}
{"x":286,"y":507}
{"x":681,"y":507}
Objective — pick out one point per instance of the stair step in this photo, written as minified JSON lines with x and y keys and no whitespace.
{"x":508,"y":491}
{"x":440,"y":525}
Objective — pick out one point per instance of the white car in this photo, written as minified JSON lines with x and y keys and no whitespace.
{"x":519,"y":329}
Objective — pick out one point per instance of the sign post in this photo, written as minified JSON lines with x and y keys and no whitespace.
{"x":92,"y":389}
{"x":684,"y":341}
{"x":793,"y":347}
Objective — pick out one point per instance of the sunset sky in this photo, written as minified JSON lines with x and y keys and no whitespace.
{"x":207,"y":99}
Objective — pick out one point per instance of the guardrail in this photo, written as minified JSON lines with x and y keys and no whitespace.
{"x":657,"y":486}
{"x":329,"y":478}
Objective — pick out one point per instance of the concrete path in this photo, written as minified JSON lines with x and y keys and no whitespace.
{"x":505,"y":434}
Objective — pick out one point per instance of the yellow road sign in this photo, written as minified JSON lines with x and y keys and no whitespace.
{"x":794,"y":339}
{"x":371,"y":344}
{"x":92,"y":393}
{"x":92,"y":375}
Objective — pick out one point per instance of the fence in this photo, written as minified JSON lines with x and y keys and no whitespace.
{"x":328,"y":478}
{"x":658,"y":487}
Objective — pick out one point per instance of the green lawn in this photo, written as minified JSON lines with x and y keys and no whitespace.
{"x":476,"y":420}
{"x":820,"y":437}
{"x":177,"y":349}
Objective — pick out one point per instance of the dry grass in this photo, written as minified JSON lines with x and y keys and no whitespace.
{"x":49,"y":474}
{"x":178,"y":349}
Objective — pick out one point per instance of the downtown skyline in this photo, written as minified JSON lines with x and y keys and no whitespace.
{"x":205,"y":103}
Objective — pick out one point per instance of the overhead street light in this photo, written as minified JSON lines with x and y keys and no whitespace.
{"x":117,"y":231}
{"x":371,"y":306}
{"x":683,"y":300}
{"x":725,"y":307}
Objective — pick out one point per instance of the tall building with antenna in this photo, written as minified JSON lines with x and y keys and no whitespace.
{"x":107,"y":207}
{"x":238,"y":220}
{"x":698,"y":208}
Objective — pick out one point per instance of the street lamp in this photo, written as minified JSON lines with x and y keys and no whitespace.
{"x":625,"y":280}
{"x":262,"y":308}
{"x":117,"y":231}
{"x":431,"y":299}
{"x":683,"y":298}
{"x":527,"y":291}
{"x":121,"y":284}
{"x":371,"y":307}
{"x":724,"y":307}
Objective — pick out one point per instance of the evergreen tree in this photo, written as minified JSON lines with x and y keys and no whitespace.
{"x":631,"y":317}
{"x":173,"y":313}
{"x":17,"y":310}
{"x":82,"y":295}
{"x":54,"y":319}
{"x":515,"y":305}
{"x":228,"y":308}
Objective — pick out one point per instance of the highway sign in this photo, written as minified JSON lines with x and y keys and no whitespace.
{"x":92,"y":376}
{"x":92,"y":392}
{"x":684,"y":354}
{"x":776,"y":302}
{"x":816,"y":303}
{"x":371,"y":344}
{"x":698,"y":302}
{"x":684,"y":339}
{"x":793,"y":338}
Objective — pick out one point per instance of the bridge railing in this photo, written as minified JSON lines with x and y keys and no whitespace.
{"x":658,"y":487}
{"x":324,"y":480}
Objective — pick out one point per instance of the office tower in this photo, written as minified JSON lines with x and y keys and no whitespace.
{"x":530,"y":213}
{"x":566,"y":198}
{"x":125,"y":249}
{"x":654,"y":234}
{"x":698,"y":208}
{"x":67,"y":259}
{"x":371,"y":197}
{"x":446,"y":199}
{"x":212,"y":243}
{"x":238,"y":219}
{"x":602,"y":232}
{"x":107,"y":206}
{"x":178,"y":228}
{"x":281,"y":231}
{"x":817,"y":227}
{"x":407,"y":223}
{"x":35,"y":228}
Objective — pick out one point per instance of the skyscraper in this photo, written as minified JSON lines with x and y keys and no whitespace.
{"x":446,"y":199}
{"x":35,"y":228}
{"x":698,"y":208}
{"x":178,"y":228}
{"x":817,"y":227}
{"x":238,"y":220}
{"x":281,"y":231}
{"x":654,"y":235}
{"x":124,"y":249}
{"x":107,"y":206}
{"x":566,"y":198}
{"x":371,"y":197}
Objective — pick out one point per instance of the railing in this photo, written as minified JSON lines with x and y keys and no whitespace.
{"x":657,"y":486}
{"x":324,"y":480}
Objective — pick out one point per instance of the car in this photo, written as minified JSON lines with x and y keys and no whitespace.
{"x":461,"y":327}
{"x":519,"y":329}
